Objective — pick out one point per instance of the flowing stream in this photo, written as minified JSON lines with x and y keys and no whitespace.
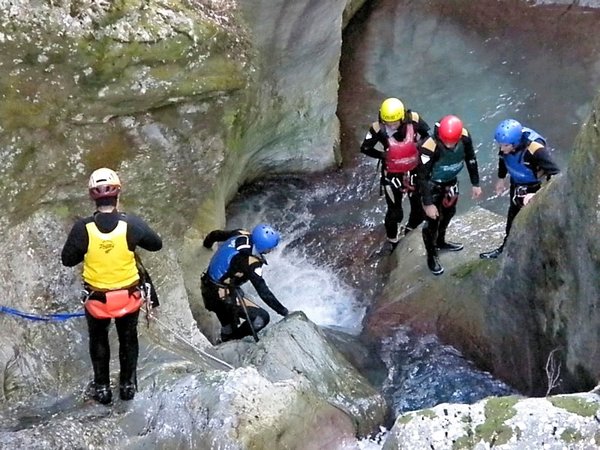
{"x":484,"y":63}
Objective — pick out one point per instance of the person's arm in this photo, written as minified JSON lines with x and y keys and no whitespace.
{"x":422,"y":128}
{"x":542,"y":162}
{"x":218,"y":236}
{"x":76,"y":245}
{"x":427,"y":158}
{"x":371,"y":139}
{"x":140,"y":234}
{"x":470,"y":159}
{"x":254,"y":274}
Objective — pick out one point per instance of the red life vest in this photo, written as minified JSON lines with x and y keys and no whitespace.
{"x":401,"y":157}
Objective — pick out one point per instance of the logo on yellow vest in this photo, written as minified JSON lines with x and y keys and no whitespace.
{"x":107,"y":246}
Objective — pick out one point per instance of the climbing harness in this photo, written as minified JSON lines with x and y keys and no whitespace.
{"x":54,"y":317}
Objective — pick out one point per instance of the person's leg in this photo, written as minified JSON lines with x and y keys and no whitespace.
{"x":100,"y":355}
{"x":259,"y":318}
{"x":513,"y":210}
{"x":394,"y":214}
{"x":446,"y":215}
{"x":223,"y":308}
{"x":430,"y":232}
{"x":417,"y":215}
{"x":128,"y":354}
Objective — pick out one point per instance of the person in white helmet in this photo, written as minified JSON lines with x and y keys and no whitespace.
{"x":105,"y":243}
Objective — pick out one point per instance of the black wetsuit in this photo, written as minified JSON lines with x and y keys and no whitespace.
{"x":223,"y":296}
{"x":393,"y":190}
{"x":540,"y":163}
{"x":73,"y":253}
{"x":438,"y":183}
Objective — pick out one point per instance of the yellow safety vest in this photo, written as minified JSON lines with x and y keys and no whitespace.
{"x":108,"y":263}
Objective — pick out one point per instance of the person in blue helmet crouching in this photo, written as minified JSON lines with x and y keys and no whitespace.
{"x":522,"y":155}
{"x":239,"y":258}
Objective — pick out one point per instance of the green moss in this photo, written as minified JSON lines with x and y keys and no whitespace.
{"x":18,"y":112}
{"x":110,"y":151}
{"x":427,"y":413}
{"x":406,"y":418}
{"x":571,"y":435}
{"x":497,"y":412}
{"x":575,"y":405}
{"x":466,"y":269}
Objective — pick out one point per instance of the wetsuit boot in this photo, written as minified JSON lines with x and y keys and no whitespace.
{"x":434,"y":264}
{"x":442,"y":244}
{"x":493,"y":254}
{"x":450,"y":246}
{"x":127,"y":391}
{"x":101,"y":393}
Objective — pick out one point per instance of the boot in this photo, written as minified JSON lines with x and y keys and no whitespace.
{"x":434,"y":265}
{"x":127,"y":391}
{"x":101,"y":393}
{"x":492,"y":254}
{"x":450,"y":246}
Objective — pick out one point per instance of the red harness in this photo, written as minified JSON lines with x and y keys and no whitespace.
{"x":118,"y":304}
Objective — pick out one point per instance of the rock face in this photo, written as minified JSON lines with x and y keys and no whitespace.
{"x":546,"y":295}
{"x":565,"y":421}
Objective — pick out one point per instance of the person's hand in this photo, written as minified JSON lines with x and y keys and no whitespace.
{"x":500,"y":186}
{"x":431,"y":211}
{"x":527,"y":198}
{"x":476,"y":192}
{"x":285,"y":313}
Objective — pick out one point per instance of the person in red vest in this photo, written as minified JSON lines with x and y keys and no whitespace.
{"x":397,"y":131}
{"x":442,"y":157}
{"x":105,"y":242}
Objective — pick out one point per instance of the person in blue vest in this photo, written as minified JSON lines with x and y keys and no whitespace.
{"x":442,"y":157}
{"x":105,"y":242}
{"x":523,"y":155}
{"x":239,"y":259}
{"x":397,"y":131}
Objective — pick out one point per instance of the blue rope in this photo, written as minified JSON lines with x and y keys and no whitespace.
{"x":56,"y":317}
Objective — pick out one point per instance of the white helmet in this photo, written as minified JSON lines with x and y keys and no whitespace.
{"x":104,"y":183}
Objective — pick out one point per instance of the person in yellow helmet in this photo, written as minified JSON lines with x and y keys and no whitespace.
{"x":105,"y":243}
{"x":393,"y":141}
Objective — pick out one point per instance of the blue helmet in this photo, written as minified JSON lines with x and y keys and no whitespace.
{"x":264,"y":238}
{"x":509,"y":132}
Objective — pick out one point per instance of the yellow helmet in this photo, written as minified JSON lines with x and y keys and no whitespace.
{"x":104,"y":183}
{"x":392,"y":110}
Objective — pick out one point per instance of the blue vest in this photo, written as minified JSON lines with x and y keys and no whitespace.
{"x":221,"y":261}
{"x":519,"y":172}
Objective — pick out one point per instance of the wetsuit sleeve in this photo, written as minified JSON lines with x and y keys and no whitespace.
{"x":368,"y":145}
{"x":218,"y":236}
{"x":542,"y":161}
{"x":422,"y":128}
{"x":471,"y":160}
{"x":254,"y":274}
{"x":76,"y":245}
{"x":427,"y":158}
{"x":140,"y":234}
{"x":502,"y":170}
